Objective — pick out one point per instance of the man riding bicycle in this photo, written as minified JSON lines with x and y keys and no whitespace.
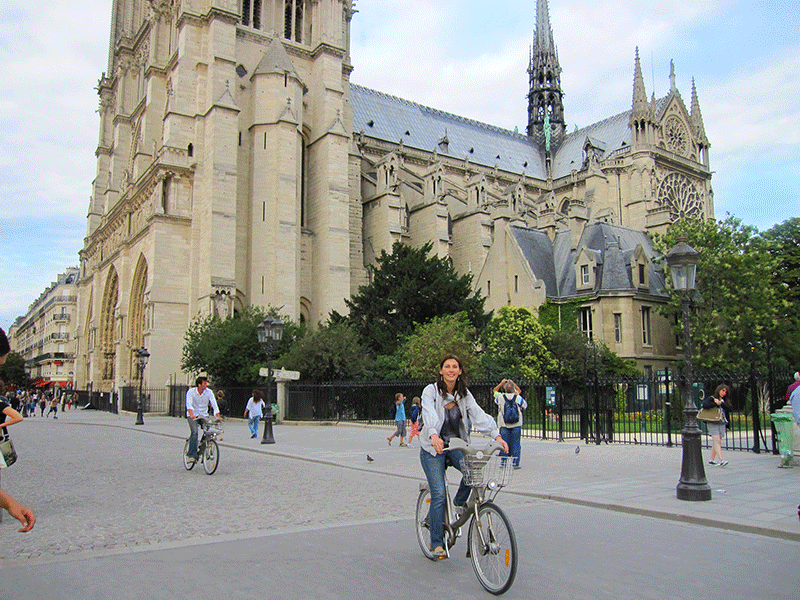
{"x":197,"y":401}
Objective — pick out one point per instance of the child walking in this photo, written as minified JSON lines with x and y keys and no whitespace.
{"x":400,"y":419}
{"x":416,"y":407}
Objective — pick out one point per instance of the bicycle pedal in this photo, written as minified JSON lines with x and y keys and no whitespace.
{"x":458,"y":532}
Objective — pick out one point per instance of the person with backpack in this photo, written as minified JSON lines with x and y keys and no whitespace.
{"x":510,"y":405}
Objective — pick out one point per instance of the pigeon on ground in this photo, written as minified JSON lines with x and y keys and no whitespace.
{"x":577,"y":449}
{"x":369,"y":458}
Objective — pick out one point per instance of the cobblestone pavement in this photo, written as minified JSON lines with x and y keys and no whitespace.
{"x":100,"y":484}
{"x":110,"y":486}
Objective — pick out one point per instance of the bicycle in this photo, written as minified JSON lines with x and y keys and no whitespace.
{"x":207,"y":447}
{"x":491,"y":541}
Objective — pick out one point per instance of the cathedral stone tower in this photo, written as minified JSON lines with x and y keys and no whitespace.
{"x":545,"y":103}
{"x":223,"y":169}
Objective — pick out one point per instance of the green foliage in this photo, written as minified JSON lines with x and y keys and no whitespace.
{"x":562,"y":316}
{"x":330,"y":353}
{"x":576,"y":356}
{"x":389,"y":367}
{"x":226,"y":350}
{"x":13,"y":372}
{"x":514,"y":345}
{"x":735,"y":303}
{"x":783,"y":244}
{"x":408,"y":288}
{"x":425,"y":348}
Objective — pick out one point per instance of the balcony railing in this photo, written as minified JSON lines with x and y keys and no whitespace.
{"x":61,"y":317}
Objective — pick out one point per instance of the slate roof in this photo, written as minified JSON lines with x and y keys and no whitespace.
{"x":394,"y":119}
{"x":613,"y":245}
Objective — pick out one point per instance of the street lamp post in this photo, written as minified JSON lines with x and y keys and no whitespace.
{"x":682,"y":261}
{"x":141,"y":361}
{"x":270,"y":331}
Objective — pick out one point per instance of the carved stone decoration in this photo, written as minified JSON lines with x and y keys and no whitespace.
{"x":676,"y":135}
{"x":680,"y":195}
{"x":223,"y":301}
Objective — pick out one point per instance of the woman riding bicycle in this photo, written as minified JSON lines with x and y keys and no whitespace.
{"x":447,"y":408}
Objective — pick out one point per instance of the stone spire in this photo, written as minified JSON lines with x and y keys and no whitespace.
{"x":697,"y":118}
{"x":641,"y":110}
{"x":545,"y":103}
{"x":641,"y":107}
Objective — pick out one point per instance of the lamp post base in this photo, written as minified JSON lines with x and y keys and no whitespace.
{"x":693,"y":485}
{"x":268,"y":437}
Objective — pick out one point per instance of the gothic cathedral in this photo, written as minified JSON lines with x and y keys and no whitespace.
{"x":237,"y":165}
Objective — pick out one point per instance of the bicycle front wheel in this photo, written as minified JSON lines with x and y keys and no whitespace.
{"x":493,"y":548}
{"x":421,"y":523}
{"x":211,"y":457}
{"x":187,"y":462}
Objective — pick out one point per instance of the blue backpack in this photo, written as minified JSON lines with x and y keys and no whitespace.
{"x":510,"y":410}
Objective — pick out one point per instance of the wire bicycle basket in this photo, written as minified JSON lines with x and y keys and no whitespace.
{"x":480,"y":472}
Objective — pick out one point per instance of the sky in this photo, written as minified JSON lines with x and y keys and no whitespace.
{"x":467,"y":57}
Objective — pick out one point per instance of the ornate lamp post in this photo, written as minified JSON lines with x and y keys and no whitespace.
{"x":141,"y":361}
{"x":682,"y":261}
{"x":270,"y":331}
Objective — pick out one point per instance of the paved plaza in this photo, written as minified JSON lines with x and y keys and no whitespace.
{"x":108,"y":492}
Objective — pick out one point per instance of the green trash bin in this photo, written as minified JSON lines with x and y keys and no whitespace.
{"x":784,"y":427}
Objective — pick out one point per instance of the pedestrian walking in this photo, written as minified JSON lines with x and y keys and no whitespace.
{"x":53,"y":407}
{"x":413,"y":417}
{"x":400,"y":420}
{"x":717,"y":430}
{"x":254,"y":411}
{"x":510,"y":404}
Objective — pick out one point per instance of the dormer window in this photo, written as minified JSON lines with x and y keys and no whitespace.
{"x":584,"y":274}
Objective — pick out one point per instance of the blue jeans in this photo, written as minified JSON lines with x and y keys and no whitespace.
{"x":512,"y":437}
{"x":253,"y":423}
{"x":194,"y":427}
{"x":434,"y":467}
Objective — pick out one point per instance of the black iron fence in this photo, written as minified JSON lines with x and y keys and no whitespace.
{"x":634,"y":410}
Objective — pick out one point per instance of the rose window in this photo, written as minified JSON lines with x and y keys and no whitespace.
{"x":681,"y":197}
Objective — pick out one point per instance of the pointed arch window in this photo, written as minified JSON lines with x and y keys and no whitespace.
{"x":293,"y":12}
{"x":251,"y":13}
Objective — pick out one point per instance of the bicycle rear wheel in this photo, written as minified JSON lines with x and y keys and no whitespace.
{"x":421,"y":523}
{"x":211,"y":457}
{"x":494,"y":559}
{"x":188,"y":462}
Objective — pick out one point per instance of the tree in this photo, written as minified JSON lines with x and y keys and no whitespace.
{"x":13,"y":372}
{"x":227,"y":350}
{"x":735,"y":304}
{"x":514,"y":345}
{"x":408,"y":288}
{"x":450,"y":334}
{"x":330,"y":353}
{"x":783,"y":243}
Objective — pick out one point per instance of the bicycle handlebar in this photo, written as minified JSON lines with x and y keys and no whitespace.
{"x":493,"y":447}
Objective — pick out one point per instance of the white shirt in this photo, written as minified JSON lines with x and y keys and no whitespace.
{"x":795,"y":400}
{"x":255,"y":409}
{"x":198,"y":403}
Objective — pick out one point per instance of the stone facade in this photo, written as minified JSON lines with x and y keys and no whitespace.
{"x":237,"y":166}
{"x":44,"y":335}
